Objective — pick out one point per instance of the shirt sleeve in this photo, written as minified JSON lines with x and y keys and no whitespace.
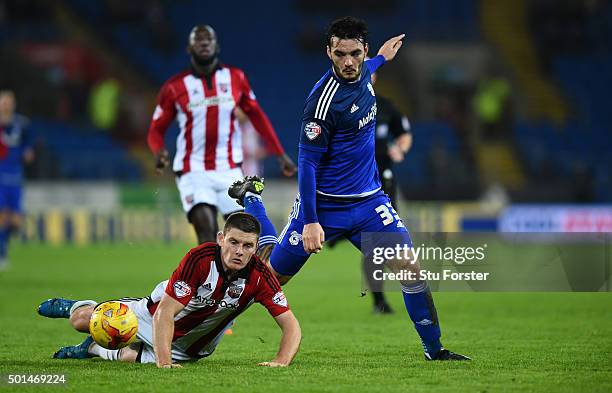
{"x":317,"y":124}
{"x":185,"y":280}
{"x":315,"y":135}
{"x":270,"y":295}
{"x":164,"y":114}
{"x":375,"y":63}
{"x":248,"y":103}
{"x":308,"y":161}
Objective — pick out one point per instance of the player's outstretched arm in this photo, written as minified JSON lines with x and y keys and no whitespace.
{"x":389,"y":49}
{"x":163,"y":330}
{"x":290,"y":341}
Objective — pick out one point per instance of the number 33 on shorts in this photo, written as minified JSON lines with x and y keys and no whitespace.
{"x":388,"y":215}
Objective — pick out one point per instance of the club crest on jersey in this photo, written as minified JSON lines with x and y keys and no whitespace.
{"x":371,"y":116}
{"x":371,"y":88}
{"x":181,"y":289}
{"x":280,"y":299}
{"x":234,"y":291}
{"x":295,"y":238}
{"x":223,"y":87}
{"x":312,"y":130}
{"x":189,"y":199}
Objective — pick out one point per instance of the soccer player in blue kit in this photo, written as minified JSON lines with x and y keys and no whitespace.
{"x":339,"y":186}
{"x":14,"y":150}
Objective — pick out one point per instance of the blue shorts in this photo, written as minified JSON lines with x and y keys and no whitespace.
{"x":10,"y":198}
{"x":338,"y":219}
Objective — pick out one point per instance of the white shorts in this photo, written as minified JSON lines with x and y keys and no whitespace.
{"x":209,"y":187}
{"x":145,"y":334}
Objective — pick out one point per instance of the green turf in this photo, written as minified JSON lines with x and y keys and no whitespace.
{"x":519,"y":342}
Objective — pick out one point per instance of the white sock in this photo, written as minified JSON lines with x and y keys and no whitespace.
{"x":250,"y":194}
{"x":82,"y":303}
{"x":107,"y":354}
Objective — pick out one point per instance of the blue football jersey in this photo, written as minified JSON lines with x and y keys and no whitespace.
{"x":13,"y":142}
{"x":340,"y":120}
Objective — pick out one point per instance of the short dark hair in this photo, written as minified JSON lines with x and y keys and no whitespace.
{"x":348,"y":28}
{"x":242,"y":221}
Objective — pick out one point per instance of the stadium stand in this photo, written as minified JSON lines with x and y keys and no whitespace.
{"x":576,"y":152}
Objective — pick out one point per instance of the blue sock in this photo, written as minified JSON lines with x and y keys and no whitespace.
{"x":5,"y":234}
{"x":253,"y":205}
{"x":420,"y":306}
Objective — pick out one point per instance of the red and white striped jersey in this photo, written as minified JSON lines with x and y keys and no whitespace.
{"x":208,"y":139}
{"x":211,"y":300}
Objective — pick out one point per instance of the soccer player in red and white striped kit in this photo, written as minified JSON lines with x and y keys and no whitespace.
{"x":184,"y":318}
{"x":203,"y":99}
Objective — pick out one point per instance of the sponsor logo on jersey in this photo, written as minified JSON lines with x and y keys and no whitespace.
{"x":234,"y":291}
{"x":210,"y":101}
{"x":312,"y":130}
{"x":280,"y":299}
{"x":189,"y":199}
{"x":354,"y":108}
{"x":295,"y":238}
{"x":181,"y":289}
{"x":208,"y":287}
{"x":223,"y":87}
{"x":371,"y":89}
{"x":212,"y":302}
{"x":371,"y":116}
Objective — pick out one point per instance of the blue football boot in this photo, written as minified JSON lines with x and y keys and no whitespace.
{"x":56,"y":308}
{"x":80,"y":351}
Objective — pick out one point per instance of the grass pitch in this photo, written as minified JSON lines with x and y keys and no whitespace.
{"x":519,"y":341}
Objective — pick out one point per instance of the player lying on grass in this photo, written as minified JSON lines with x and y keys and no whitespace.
{"x":185,"y":317}
{"x":417,"y":296}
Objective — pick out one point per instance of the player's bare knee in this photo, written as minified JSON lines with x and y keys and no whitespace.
{"x":203,"y":217}
{"x":282,"y":279}
{"x":264,"y":253}
{"x":130,"y":354}
{"x":407,"y":267}
{"x":79,"y":319}
{"x":15,"y":221}
{"x":4,"y":218}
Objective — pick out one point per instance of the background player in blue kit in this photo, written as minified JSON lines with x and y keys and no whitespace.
{"x":14,"y":150}
{"x":339,"y":186}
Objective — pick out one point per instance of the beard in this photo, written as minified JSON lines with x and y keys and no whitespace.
{"x":338,"y":71}
{"x":205,"y":61}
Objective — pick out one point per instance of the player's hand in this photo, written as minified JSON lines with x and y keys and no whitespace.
{"x":28,"y":156}
{"x":313,"y":237}
{"x":395,"y":153}
{"x":389,"y":49}
{"x":287,"y":166}
{"x":171,"y":365}
{"x":161,"y":161}
{"x":272,"y":364}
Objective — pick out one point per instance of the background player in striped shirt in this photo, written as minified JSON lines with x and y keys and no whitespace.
{"x":203,"y":99}
{"x":14,"y":151}
{"x":186,"y":316}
